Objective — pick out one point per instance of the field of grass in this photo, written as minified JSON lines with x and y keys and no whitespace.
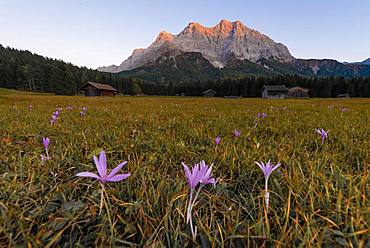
{"x":319,"y":196}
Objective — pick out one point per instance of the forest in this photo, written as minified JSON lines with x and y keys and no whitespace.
{"x":24,"y":70}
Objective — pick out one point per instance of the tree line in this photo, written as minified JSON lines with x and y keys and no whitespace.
{"x":24,"y":70}
{"x":252,"y":86}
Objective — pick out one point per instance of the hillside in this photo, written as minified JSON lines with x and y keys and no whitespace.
{"x":24,"y":70}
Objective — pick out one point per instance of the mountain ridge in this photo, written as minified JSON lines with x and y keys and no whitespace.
{"x":214,"y":43}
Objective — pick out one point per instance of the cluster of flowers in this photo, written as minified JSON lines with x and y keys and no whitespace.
{"x":261,"y":115}
{"x":236,"y":134}
{"x":54,"y":117}
{"x":197,"y":177}
{"x":83,"y":112}
{"x":56,"y":113}
{"x":344,"y":109}
{"x":322,"y":132}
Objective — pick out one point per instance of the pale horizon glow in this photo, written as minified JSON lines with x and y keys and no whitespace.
{"x":101,"y":33}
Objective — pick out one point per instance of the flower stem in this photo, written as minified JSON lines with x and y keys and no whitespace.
{"x":267,"y":194}
{"x":189,"y":211}
{"x":197,"y":194}
{"x":188,"y":216}
{"x":101,"y":198}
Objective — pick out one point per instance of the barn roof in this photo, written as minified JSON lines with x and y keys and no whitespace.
{"x":299,"y":88}
{"x":276,"y":88}
{"x":100,"y":86}
{"x":209,"y":91}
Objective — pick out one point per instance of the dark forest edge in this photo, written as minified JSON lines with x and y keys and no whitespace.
{"x":24,"y":70}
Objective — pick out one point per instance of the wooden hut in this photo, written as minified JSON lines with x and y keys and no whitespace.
{"x":209,"y":93}
{"x":97,"y":89}
{"x":298,"y":92}
{"x":274,"y":91}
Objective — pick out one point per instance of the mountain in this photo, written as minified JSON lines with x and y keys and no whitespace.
{"x":179,"y":67}
{"x":178,"y":72}
{"x":216,"y":44}
{"x":366,"y":62}
{"x":329,"y":68}
{"x":184,"y":68}
{"x":227,"y":50}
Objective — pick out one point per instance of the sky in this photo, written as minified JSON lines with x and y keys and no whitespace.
{"x":96,"y":33}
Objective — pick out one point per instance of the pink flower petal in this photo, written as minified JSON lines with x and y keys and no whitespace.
{"x":98,"y":167}
{"x":87,"y":174}
{"x":118,"y":177}
{"x":103,"y":163}
{"x":115,"y":170}
{"x":187,"y":172}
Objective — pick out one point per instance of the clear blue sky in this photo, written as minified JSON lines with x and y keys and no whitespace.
{"x":94,"y":33}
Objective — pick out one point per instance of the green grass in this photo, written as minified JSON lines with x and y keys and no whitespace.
{"x":319,"y":196}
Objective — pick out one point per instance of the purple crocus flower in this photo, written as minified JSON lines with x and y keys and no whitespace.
{"x":217,"y":140}
{"x":344,"y":109}
{"x":200,"y":174}
{"x":261,"y":115}
{"x":54,"y":117}
{"x":103,"y":177}
{"x":237,"y":133}
{"x":30,"y":107}
{"x":267,"y":169}
{"x":323,"y":133}
{"x":69,"y":108}
{"x":46,"y":142}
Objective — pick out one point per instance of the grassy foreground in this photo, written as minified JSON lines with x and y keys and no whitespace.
{"x":320,"y":195}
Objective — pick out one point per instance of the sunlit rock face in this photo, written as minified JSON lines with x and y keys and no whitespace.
{"x":216,"y":44}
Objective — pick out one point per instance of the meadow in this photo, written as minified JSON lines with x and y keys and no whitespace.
{"x":319,"y":196}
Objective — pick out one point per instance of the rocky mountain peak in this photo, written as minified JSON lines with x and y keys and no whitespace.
{"x":216,"y":44}
{"x":164,"y":36}
{"x":224,"y":25}
{"x":193,"y":27}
